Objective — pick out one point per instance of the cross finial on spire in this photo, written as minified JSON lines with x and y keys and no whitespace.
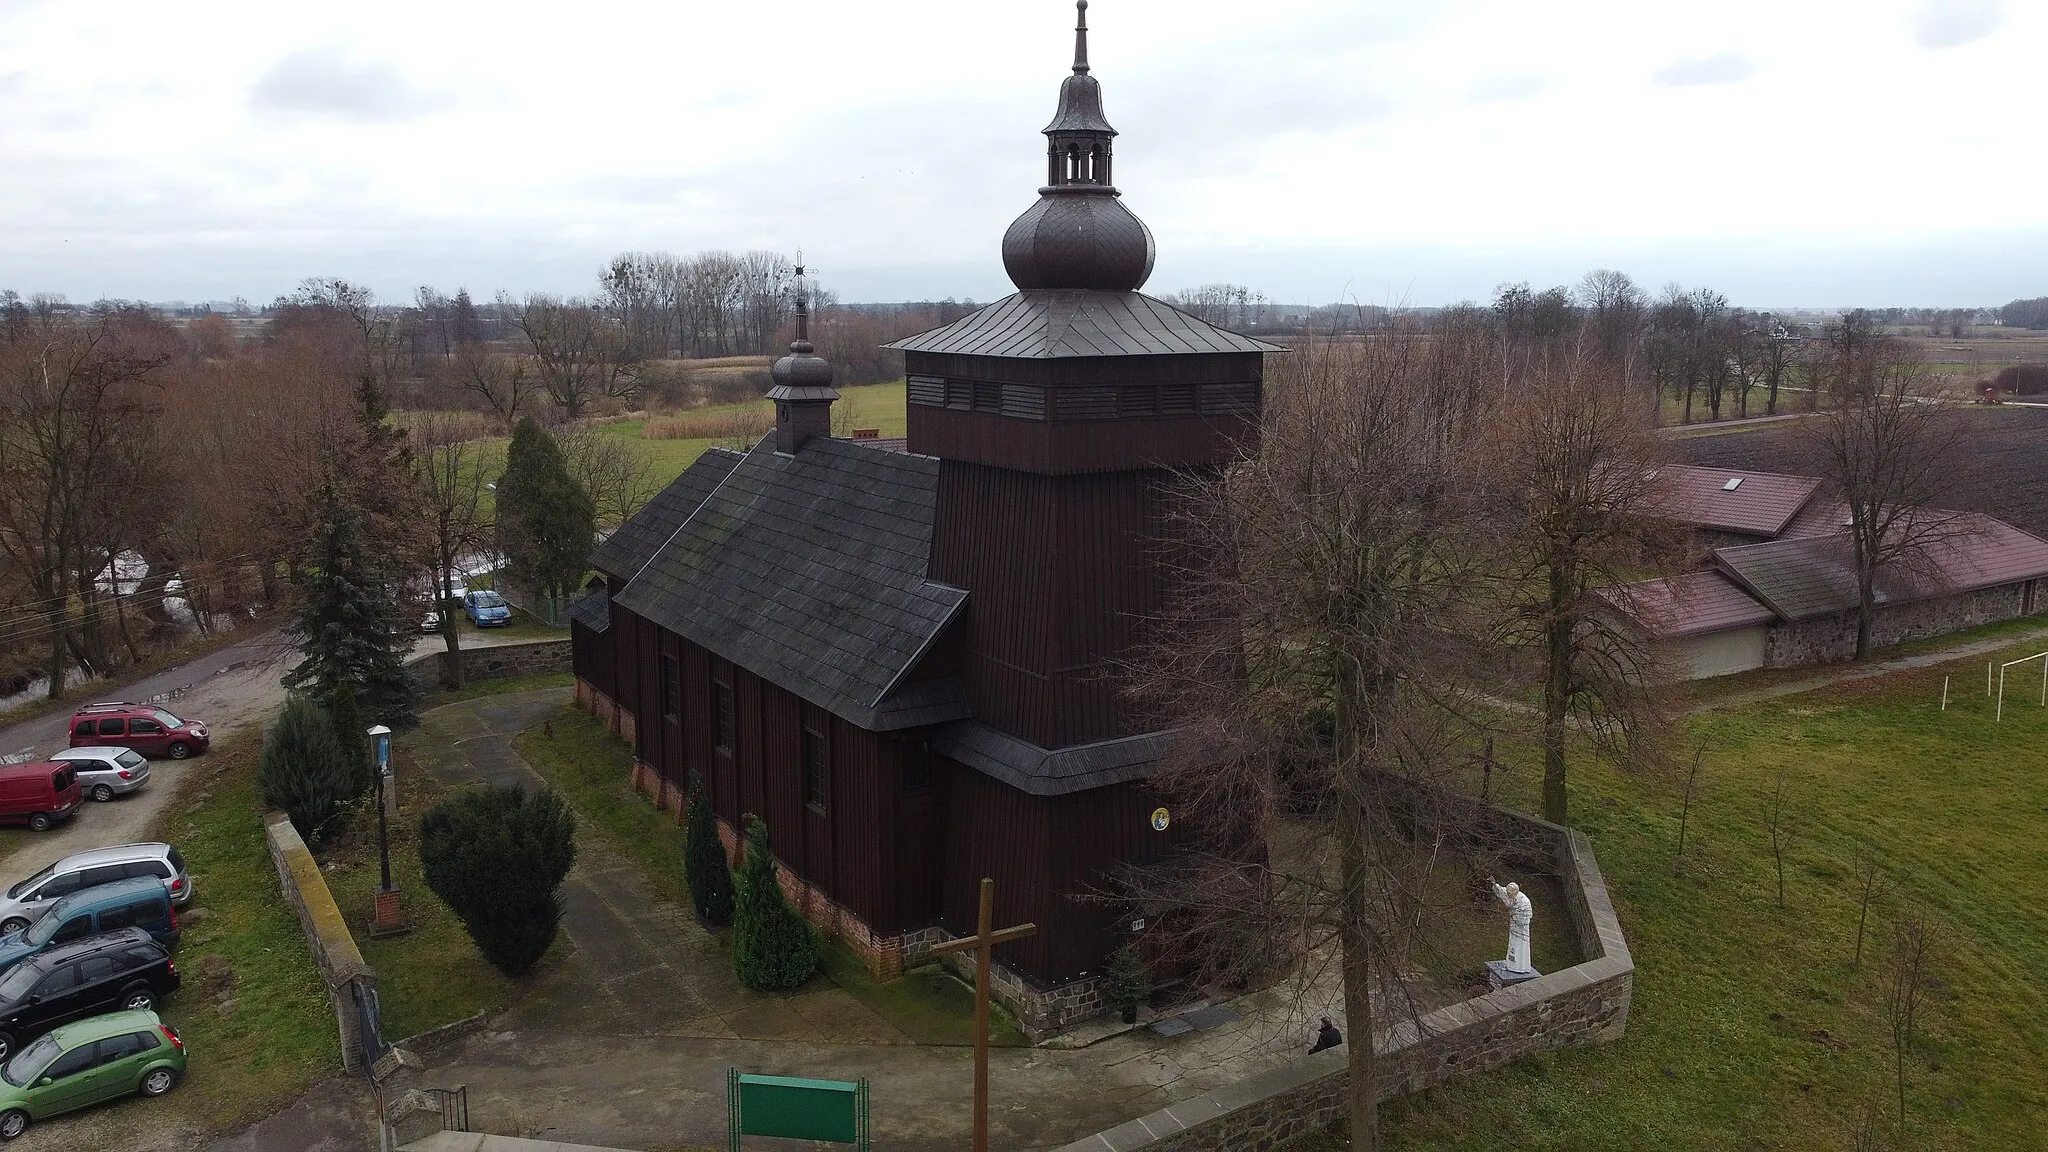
{"x":1081,"y":35}
{"x":803,"y":310}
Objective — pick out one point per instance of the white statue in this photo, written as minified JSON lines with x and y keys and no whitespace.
{"x":1520,"y":913}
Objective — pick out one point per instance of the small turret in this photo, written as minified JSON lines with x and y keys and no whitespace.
{"x":803,"y":391}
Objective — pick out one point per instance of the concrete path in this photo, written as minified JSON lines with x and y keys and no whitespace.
{"x":626,"y":1043}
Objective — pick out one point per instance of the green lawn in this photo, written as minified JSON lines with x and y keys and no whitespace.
{"x":242,"y":943}
{"x":1749,"y":1028}
{"x":589,"y":767}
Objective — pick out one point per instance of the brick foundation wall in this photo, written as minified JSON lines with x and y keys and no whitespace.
{"x":1041,"y":1012}
{"x":1584,"y":1004}
{"x":595,"y":702}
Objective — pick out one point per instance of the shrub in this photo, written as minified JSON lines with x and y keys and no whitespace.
{"x":1126,"y":984}
{"x":496,"y":856}
{"x":772,"y":947}
{"x":704,"y":865}
{"x":304,"y":771}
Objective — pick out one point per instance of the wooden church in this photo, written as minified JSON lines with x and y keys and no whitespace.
{"x":901,"y":654}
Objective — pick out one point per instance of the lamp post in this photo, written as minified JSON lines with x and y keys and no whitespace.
{"x":389,"y":918}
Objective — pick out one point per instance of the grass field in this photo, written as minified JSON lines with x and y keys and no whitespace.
{"x":1750,"y":1028}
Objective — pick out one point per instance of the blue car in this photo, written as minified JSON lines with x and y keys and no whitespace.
{"x":139,"y":903}
{"x":486,"y":609}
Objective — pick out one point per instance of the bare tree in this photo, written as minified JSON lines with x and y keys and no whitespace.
{"x":1317,"y":665}
{"x":1782,"y":823}
{"x":617,"y":478}
{"x":1905,"y":977}
{"x":503,"y":381}
{"x":1575,"y":465}
{"x":449,"y":471}
{"x":580,"y":353}
{"x":1775,"y":357}
{"x":1692,"y":776}
{"x":1888,"y":443}
{"x":1870,"y":884}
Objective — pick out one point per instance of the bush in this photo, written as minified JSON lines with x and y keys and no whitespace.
{"x":304,"y":771}
{"x":1126,"y":984}
{"x":496,"y":856}
{"x":772,"y":947}
{"x":704,"y":865}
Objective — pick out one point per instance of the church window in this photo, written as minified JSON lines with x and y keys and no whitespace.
{"x":817,"y":771}
{"x":671,"y":690}
{"x":721,"y":707}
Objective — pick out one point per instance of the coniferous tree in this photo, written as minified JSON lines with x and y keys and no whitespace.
{"x":704,"y":865}
{"x":303,"y":771}
{"x":772,"y":946}
{"x":546,"y":521}
{"x":352,"y":735}
{"x":496,"y":856}
{"x":350,"y":625}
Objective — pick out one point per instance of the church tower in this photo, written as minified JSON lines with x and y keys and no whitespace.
{"x":1058,"y":413}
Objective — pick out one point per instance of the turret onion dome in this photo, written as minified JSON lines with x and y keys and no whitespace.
{"x":802,"y":375}
{"x":1079,"y":234}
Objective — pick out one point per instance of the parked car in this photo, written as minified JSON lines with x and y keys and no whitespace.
{"x":38,"y":793}
{"x":140,"y":904}
{"x":486,"y":609}
{"x":431,"y":622}
{"x":103,"y":1058}
{"x":105,"y":772}
{"x":124,"y":971}
{"x":148,"y":729}
{"x":27,"y":901}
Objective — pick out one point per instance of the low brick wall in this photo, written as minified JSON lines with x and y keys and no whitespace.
{"x":593,"y":700}
{"x":334,"y":949}
{"x":1584,"y":1004}
{"x":500,"y":661}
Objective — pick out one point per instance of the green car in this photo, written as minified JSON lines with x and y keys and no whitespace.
{"x":87,"y":1062}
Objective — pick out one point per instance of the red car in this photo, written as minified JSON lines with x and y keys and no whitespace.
{"x":146,"y":728}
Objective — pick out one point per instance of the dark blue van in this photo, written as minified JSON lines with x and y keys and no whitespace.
{"x":138,"y":902}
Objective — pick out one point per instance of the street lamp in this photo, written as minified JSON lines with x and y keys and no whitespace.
{"x":389,"y":919}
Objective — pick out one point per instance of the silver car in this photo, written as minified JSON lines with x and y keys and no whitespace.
{"x":104,"y":773}
{"x":25,"y":903}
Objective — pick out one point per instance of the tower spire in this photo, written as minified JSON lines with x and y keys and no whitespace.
{"x":802,"y":343}
{"x":1081,"y":35}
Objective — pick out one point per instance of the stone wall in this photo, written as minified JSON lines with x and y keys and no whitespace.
{"x":501,"y":661}
{"x":1584,"y":1004}
{"x":334,"y":949}
{"x":1826,"y":639}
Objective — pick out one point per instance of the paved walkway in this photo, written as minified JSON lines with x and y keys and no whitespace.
{"x":626,"y":1043}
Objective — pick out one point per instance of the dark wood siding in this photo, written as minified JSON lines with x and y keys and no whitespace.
{"x":1059,"y":447}
{"x":1063,"y":570}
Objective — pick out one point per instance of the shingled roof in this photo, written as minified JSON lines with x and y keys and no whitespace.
{"x":1758,"y":504}
{"x":809,"y":571}
{"x":1056,"y":323}
{"x":593,"y":610}
{"x":1803,"y":577}
{"x":1688,"y":605}
{"x":628,"y":549}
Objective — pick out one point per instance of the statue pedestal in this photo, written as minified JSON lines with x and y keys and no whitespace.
{"x":1500,"y":974}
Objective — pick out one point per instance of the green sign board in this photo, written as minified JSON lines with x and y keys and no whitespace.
{"x":831,"y":1110}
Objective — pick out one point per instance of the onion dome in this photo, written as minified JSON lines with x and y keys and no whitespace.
{"x":798,"y":375}
{"x":1079,"y":234}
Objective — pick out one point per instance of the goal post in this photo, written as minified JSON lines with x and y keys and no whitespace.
{"x":2043,"y":658}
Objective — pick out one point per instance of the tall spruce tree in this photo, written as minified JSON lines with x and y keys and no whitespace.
{"x":349,"y":624}
{"x":772,"y":946}
{"x":546,"y":521}
{"x":704,"y":866}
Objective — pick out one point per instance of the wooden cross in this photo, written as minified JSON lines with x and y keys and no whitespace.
{"x":982,"y":943}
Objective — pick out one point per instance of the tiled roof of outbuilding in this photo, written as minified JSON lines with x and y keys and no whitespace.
{"x":809,"y":571}
{"x":593,"y":610}
{"x":1762,"y":504}
{"x":628,"y":549}
{"x":1055,"y":323}
{"x":1803,"y":577}
{"x":1689,"y":605}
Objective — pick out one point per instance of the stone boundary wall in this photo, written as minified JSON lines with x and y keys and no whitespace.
{"x":1581,"y":1005}
{"x":1040,"y":1012}
{"x":500,"y":661}
{"x":334,"y":949}
{"x":1832,"y":639}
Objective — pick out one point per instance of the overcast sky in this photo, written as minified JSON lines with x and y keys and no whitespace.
{"x":1788,"y":152}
